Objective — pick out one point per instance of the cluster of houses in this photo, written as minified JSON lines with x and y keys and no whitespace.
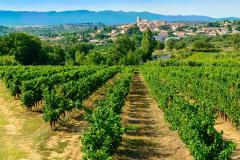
{"x":165,"y":30}
{"x":178,"y":29}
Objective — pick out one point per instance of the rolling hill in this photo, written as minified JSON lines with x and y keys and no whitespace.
{"x":85,"y":16}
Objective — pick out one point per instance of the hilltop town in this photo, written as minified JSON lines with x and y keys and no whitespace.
{"x":101,"y":34}
{"x":181,"y":29}
{"x":162,"y":30}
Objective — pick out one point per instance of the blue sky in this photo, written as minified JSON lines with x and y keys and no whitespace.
{"x":214,"y":8}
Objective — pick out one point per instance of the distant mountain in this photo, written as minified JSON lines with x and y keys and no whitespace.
{"x":85,"y":16}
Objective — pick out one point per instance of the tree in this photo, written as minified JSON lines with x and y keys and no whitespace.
{"x":180,"y":45}
{"x":170,"y":34}
{"x":134,"y":31}
{"x":160,"y":45}
{"x":165,"y":27}
{"x":132,"y":58}
{"x":96,"y":58}
{"x":43,"y":57}
{"x":5,"y":45}
{"x":236,"y":41}
{"x":121,"y":46}
{"x":229,"y":28}
{"x":202,"y":45}
{"x":80,"y":58}
{"x":101,"y":36}
{"x":171,"y":44}
{"x":25,"y":48}
{"x":82,"y":48}
{"x":213,"y":24}
{"x":148,"y":44}
{"x":108,"y":29}
{"x":56,"y":56}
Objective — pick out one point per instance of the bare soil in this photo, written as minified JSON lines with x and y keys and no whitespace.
{"x":229,"y":133}
{"x":16,"y":143}
{"x":69,"y":132}
{"x":25,"y":136}
{"x":149,"y":136}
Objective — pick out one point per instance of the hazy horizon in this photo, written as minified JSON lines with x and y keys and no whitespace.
{"x":116,"y":11}
{"x":213,"y":8}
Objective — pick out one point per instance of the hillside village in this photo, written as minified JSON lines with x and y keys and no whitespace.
{"x":101,"y":34}
{"x":181,"y":29}
{"x":164,"y":30}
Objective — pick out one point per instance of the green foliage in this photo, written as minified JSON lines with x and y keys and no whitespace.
{"x":105,"y":133}
{"x":56,"y":56}
{"x":134,"y":31}
{"x":8,"y":60}
{"x":97,"y":58}
{"x":148,"y":44}
{"x":5,"y":45}
{"x":236,"y":41}
{"x":180,"y":45}
{"x":160,"y":45}
{"x":77,"y":52}
{"x":122,"y":45}
{"x":165,"y":27}
{"x":80,"y":58}
{"x":238,"y":28}
{"x":36,"y":85}
{"x":118,"y":53}
{"x":229,"y":28}
{"x":213,"y":24}
{"x":51,"y":55}
{"x":188,"y":99}
{"x":61,"y":99}
{"x":171,"y":44}
{"x":24,"y":47}
{"x":101,"y":36}
{"x":201,"y":45}
{"x":132,"y":58}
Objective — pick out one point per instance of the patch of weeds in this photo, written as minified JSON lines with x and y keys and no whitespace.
{"x":44,"y":150}
{"x":3,"y":121}
{"x":11,"y":153}
{"x":131,"y":128}
{"x":60,"y":147}
{"x":40,"y":140}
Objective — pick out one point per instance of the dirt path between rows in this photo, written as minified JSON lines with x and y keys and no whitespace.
{"x":65,"y":143}
{"x":150,"y":137}
{"x":229,"y":133}
{"x":13,"y":138}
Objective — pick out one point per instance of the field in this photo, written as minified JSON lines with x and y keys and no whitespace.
{"x":169,"y":109}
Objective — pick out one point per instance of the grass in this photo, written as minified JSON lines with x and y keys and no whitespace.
{"x":3,"y":122}
{"x":32,"y":127}
{"x":8,"y":60}
{"x":222,"y":57}
{"x":132,"y":127}
{"x":11,"y":153}
{"x":46,"y":151}
{"x":60,"y":147}
{"x":8,"y":145}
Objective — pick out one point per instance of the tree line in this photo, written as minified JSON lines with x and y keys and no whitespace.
{"x":30,"y":50}
{"x":131,"y":48}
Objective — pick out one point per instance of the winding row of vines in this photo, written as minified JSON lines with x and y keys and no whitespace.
{"x":189,"y":97}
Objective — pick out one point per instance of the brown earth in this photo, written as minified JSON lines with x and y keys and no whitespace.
{"x":16,"y":143}
{"x":148,"y":136}
{"x":25,"y":135}
{"x":229,"y":133}
{"x":69,"y":132}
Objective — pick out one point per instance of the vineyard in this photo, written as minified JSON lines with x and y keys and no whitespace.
{"x":191,"y":97}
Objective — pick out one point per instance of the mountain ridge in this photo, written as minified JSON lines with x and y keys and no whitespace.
{"x":87,"y":16}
